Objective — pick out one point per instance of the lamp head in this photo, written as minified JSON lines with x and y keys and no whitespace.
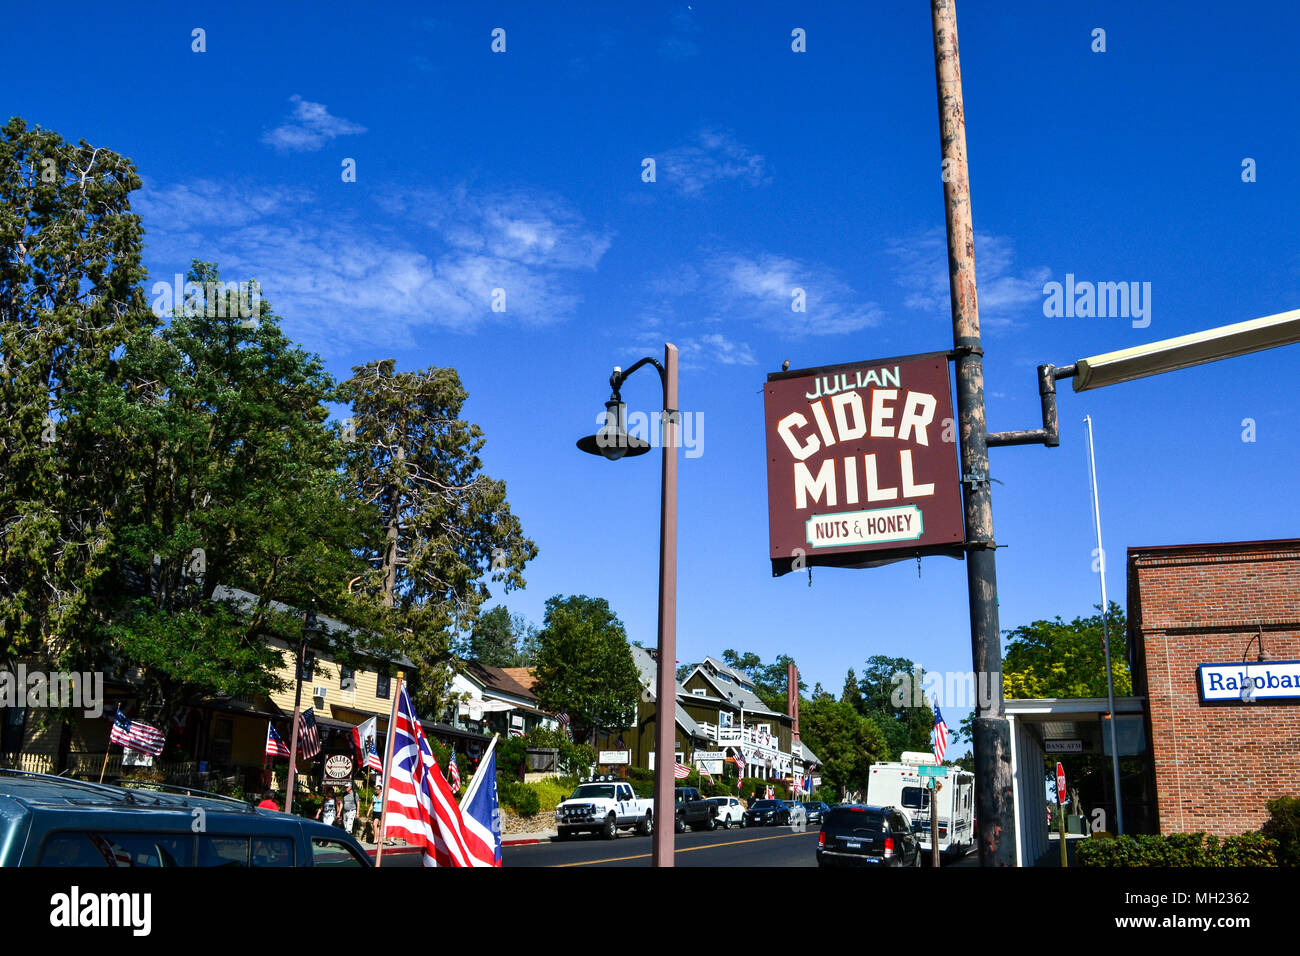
{"x":612,"y":441}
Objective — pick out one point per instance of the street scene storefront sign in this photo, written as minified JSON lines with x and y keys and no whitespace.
{"x":862,"y":464}
{"x":1243,"y":683}
{"x":338,"y":770}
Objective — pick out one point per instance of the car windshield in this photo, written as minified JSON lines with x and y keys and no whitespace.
{"x":766,"y":805}
{"x":594,"y":791}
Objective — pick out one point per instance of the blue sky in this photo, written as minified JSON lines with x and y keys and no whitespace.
{"x":522,"y":170}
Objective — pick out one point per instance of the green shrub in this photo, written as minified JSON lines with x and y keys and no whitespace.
{"x":519,"y":797}
{"x":1179,"y":849}
{"x":551,"y":791}
{"x":1284,"y":826}
{"x":576,"y":760}
{"x":546,"y":737}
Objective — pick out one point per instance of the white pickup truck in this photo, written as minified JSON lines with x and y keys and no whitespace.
{"x":605,"y":808}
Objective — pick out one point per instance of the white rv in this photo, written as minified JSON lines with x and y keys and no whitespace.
{"x":901,"y":785}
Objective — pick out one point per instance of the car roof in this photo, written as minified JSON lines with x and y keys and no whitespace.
{"x":42,"y":791}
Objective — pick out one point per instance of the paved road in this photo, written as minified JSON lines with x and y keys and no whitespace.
{"x":758,"y":846}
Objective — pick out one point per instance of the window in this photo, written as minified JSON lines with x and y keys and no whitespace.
{"x":381,"y":685}
{"x":916,"y":798}
{"x":223,"y":851}
{"x":347,"y":678}
{"x":105,"y":848}
{"x":272,"y":851}
{"x":223,"y":733}
{"x":333,"y":853}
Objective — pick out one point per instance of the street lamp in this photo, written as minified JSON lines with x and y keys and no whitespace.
{"x":311,"y":633}
{"x":613,"y":442}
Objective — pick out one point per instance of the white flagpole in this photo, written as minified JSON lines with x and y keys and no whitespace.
{"x":1105,"y":630}
{"x":473,"y":784}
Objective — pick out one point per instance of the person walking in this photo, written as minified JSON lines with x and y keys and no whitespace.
{"x":349,"y":809}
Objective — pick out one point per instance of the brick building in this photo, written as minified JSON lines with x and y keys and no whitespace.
{"x":1218,"y":755}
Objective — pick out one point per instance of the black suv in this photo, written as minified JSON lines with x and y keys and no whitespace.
{"x":54,"y":821}
{"x":861,"y":835}
{"x":694,"y":811}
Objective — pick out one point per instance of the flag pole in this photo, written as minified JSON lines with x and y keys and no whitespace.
{"x":105,"y":766}
{"x":388,"y":768}
{"x":473,"y":784}
{"x":1105,"y":631}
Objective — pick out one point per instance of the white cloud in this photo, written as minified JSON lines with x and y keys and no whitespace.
{"x":355,"y":280}
{"x":714,"y":157}
{"x":309,"y":128}
{"x":1004,"y":292}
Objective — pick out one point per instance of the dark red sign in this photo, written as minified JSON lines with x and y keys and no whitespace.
{"x":862,"y":464}
{"x":1060,"y":784}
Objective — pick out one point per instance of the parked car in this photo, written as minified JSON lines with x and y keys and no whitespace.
{"x":694,"y":811}
{"x":862,"y":835}
{"x":54,"y":821}
{"x":731,"y":812}
{"x":603,"y":807}
{"x":815,"y":809}
{"x":763,"y":813}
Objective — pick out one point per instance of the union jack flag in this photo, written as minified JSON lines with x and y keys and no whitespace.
{"x":136,"y":735}
{"x":308,"y":736}
{"x":420,"y":805}
{"x":274,"y":745}
{"x":940,"y":734}
{"x":681,"y":771}
{"x":455,"y":771}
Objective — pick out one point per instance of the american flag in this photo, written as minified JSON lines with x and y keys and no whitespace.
{"x":681,"y":771}
{"x":419,"y":803}
{"x":308,"y":737}
{"x":706,"y":775}
{"x":136,"y":735}
{"x":455,"y":771}
{"x":940,"y":734}
{"x":114,"y":854}
{"x":372,"y":761}
{"x":798,"y":786}
{"x":274,"y":745}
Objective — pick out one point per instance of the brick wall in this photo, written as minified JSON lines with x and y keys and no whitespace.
{"x":1215,"y":766}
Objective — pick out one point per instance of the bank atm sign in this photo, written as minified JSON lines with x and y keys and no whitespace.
{"x":862,"y":464}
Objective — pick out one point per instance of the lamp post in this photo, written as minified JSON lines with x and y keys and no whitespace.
{"x":311,"y":632}
{"x":613,"y":442}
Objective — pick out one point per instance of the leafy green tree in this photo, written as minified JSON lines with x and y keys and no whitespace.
{"x":236,"y":481}
{"x":69,"y":299}
{"x":500,"y":639}
{"x":846,"y":742}
{"x":444,"y":525}
{"x":850,"y":694}
{"x":585,"y":667}
{"x":907,"y":724}
{"x":1055,"y":659}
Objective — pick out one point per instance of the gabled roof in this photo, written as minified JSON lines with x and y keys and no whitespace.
{"x":523,"y":676}
{"x":648,"y":668}
{"x":732,"y":686}
{"x":498,"y":680}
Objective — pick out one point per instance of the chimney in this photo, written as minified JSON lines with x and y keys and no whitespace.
{"x":792,"y":695}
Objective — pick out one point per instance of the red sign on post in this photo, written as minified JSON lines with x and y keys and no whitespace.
{"x":1060,"y":784}
{"x":862,"y":464}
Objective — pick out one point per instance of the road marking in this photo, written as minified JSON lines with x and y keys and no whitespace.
{"x":687,"y":849}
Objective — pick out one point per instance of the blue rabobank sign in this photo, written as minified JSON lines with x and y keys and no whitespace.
{"x":1249,"y":682}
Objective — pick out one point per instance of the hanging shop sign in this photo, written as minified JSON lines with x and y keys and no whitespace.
{"x":862,"y":464}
